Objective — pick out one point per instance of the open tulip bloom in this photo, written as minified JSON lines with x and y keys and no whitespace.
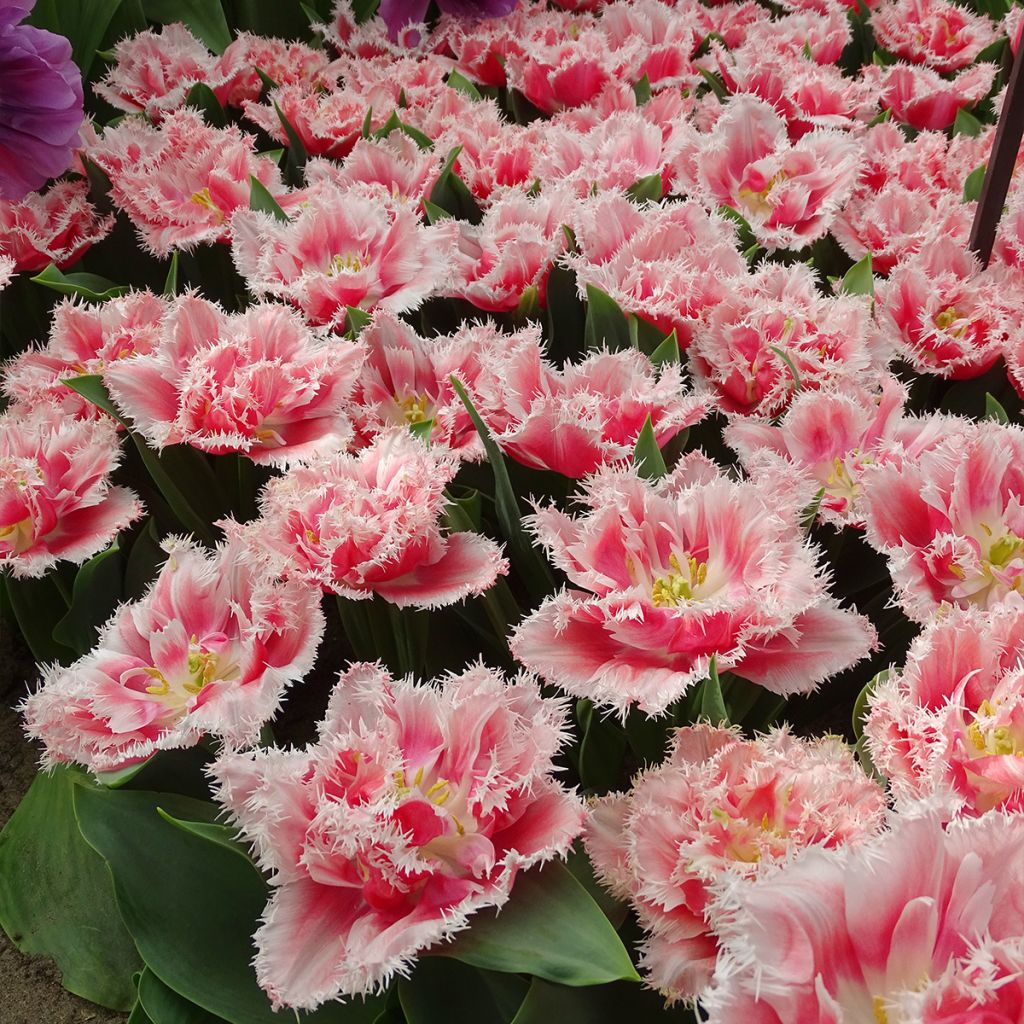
{"x":516,"y":508}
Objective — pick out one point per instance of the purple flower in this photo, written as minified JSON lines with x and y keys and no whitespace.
{"x":398,"y":13}
{"x":40,"y":103}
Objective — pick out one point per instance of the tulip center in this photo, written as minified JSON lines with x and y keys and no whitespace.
{"x":414,"y":408}
{"x":344,"y":262}
{"x":949,"y":316}
{"x":878,"y":1005}
{"x":678,"y":585}
{"x":203,"y":198}
{"x":989,"y":739}
{"x":757,"y":199}
{"x":177,"y":691}
{"x":17,"y":537}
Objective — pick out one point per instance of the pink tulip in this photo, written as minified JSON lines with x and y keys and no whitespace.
{"x":56,"y":500}
{"x":365,"y":524}
{"x":210,"y":648}
{"x":935,"y":33}
{"x":951,"y":521}
{"x":950,"y":726}
{"x":666,"y":576}
{"x":260,"y":382}
{"x":342,"y":249}
{"x":283,"y":62}
{"x":415,"y":809}
{"x":720,"y":807}
{"x":84,"y":339}
{"x":922,"y":98}
{"x":870,"y":932}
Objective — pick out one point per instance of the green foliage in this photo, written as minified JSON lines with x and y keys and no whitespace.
{"x":84,"y":22}
{"x":56,"y":896}
{"x":647,"y":457}
{"x":205,"y":18}
{"x":606,"y":324}
{"x":260,"y":199}
{"x":97,"y":592}
{"x":84,"y":286}
{"x":712,"y":703}
{"x":859,"y":279}
{"x":529,"y":935}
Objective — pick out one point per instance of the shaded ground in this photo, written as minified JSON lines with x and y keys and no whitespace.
{"x":30,"y":989}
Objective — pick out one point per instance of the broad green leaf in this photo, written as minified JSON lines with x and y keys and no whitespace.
{"x":295,"y":166}
{"x":651,"y":187}
{"x":712,"y":703}
{"x":745,"y":233}
{"x":38,"y":605}
{"x":973,"y":183}
{"x":56,"y":896}
{"x":529,"y":303}
{"x":171,"y":283}
{"x":91,"y":387}
{"x":191,"y":905}
{"x":859,"y":279}
{"x":610,"y":1004}
{"x":164,"y":1006}
{"x":435,"y":213}
{"x":994,"y":410}
{"x":83,"y":22}
{"x":423,"y":430}
{"x":450,"y":192}
{"x":528,"y":562}
{"x":667,"y":352}
{"x":139,"y":1015}
{"x":356,"y":319}
{"x":144,"y":561}
{"x":204,"y":17}
{"x":647,"y":457}
{"x":714,"y":82}
{"x":967,"y":124}
{"x":122,"y":776}
{"x":462,"y":84}
{"x":364,"y":10}
{"x":85,"y":286}
{"x":445,"y":991}
{"x":202,"y":97}
{"x":583,"y":871}
{"x":550,"y":928}
{"x":566,"y":317}
{"x":213,"y":832}
{"x":261,"y":199}
{"x":277,"y":20}
{"x":606,"y":324}
{"x":97,"y":593}
{"x":642,"y":90}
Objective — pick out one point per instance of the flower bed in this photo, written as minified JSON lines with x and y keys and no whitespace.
{"x":517,"y":516}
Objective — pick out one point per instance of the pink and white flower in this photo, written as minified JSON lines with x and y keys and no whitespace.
{"x":343,"y":249}
{"x":84,"y":339}
{"x":666,"y":576}
{"x":282,"y":62}
{"x":775,"y":333}
{"x":586,"y":415}
{"x":936,"y":33}
{"x":922,"y":98}
{"x":805,"y":944}
{"x":668,"y":264}
{"x":260,"y":382}
{"x":506,"y":258}
{"x":180,"y":182}
{"x":56,"y":226}
{"x":209,"y":649}
{"x":949,"y":726}
{"x":788,"y":192}
{"x":368,"y":523}
{"x":951,"y":522}
{"x":406,"y":380}
{"x":720,"y":807}
{"x":561,"y":74}
{"x":832,"y":435}
{"x":56,"y":499}
{"x":415,"y":809}
{"x":153,"y":71}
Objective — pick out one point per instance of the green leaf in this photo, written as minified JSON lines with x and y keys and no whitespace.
{"x":164,"y":1006}
{"x":712,"y":703}
{"x":202,"y":97}
{"x":421,"y":139}
{"x":528,"y":562}
{"x":364,"y":10}
{"x":859,"y":279}
{"x":261,"y":199}
{"x":967,"y":124}
{"x":550,"y":928}
{"x":144,"y":561}
{"x":667,"y":352}
{"x":444,"y":991}
{"x":90,"y":386}
{"x":606,"y":326}
{"x":994,"y":410}
{"x":295,"y":166}
{"x":973,"y":183}
{"x":529,"y":303}
{"x":462,"y":84}
{"x":213,"y":832}
{"x":356,"y":319}
{"x":647,"y":457}
{"x":56,"y":896}
{"x":714,"y":82}
{"x":619,"y":1002}
{"x":435,"y":213}
{"x":191,"y":905}
{"x":423,"y":430}
{"x":171,"y":283}
{"x":451,"y":193}
{"x":810,"y":514}
{"x":96,"y":595}
{"x":204,"y":17}
{"x":83,"y":22}
{"x":601,"y":749}
{"x":85,"y":286}
{"x":650,"y":187}
{"x":38,"y":606}
{"x":860,"y":705}
{"x":745,"y":233}
{"x":793,"y":371}
{"x":642,"y":90}
{"x":121,"y":777}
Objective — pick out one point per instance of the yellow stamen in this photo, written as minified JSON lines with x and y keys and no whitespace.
{"x":349,"y":262}
{"x":414,"y":408}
